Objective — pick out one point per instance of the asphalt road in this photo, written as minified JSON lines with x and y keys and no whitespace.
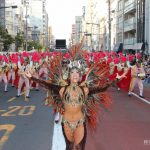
{"x":28,"y":125}
{"x":125,"y":127}
{"x":25,"y":125}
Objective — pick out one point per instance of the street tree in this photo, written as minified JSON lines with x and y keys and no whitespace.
{"x":19,"y":40}
{"x":35,"y":45}
{"x":6,"y":38}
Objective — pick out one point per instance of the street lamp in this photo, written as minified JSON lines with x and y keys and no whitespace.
{"x":26,"y":25}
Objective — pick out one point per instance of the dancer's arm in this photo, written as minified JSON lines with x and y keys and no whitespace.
{"x":46,"y":84}
{"x":94,"y":90}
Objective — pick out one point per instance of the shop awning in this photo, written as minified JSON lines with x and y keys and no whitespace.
{"x":138,"y":46}
{"x":127,"y":47}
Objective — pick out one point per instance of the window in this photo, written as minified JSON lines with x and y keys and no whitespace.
{"x":119,"y":37}
{"x":120,"y":5}
{"x":120,"y":23}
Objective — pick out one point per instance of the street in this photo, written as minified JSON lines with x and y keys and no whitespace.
{"x":24,"y":125}
{"x":28,"y":125}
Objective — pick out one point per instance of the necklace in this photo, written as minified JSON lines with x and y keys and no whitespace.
{"x":73,"y":86}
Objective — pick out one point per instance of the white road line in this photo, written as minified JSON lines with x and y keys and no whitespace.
{"x":143,"y":99}
{"x":14,"y":98}
{"x":58,"y":142}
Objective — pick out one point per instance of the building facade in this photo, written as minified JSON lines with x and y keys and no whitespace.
{"x":131,"y":25}
{"x":78,"y":29}
{"x":39,"y":21}
{"x":11,"y":18}
{"x":73,"y":35}
{"x":95,"y":25}
{"x":147,"y":27}
{"x":51,"y":40}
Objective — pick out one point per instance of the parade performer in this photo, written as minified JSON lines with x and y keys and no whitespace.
{"x":3,"y":71}
{"x":35,"y":70}
{"x":78,"y":102}
{"x":137,"y":74}
{"x":25,"y":67}
{"x":43,"y":72}
{"x":11,"y":72}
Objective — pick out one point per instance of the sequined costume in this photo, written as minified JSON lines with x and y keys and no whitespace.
{"x":85,"y":97}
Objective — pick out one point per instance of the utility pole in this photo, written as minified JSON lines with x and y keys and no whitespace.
{"x":26,"y":27}
{"x":109,"y":24}
{"x":92,"y":26}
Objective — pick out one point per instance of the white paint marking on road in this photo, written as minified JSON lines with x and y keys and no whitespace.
{"x":58,"y":142}
{"x":143,"y":99}
{"x":14,"y":98}
{"x":2,"y":110}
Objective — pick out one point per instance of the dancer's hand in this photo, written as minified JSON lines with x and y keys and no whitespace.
{"x":120,"y":77}
{"x":123,"y":76}
{"x":28,"y":74}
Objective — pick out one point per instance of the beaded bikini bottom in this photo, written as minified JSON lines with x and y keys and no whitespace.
{"x":73,"y":125}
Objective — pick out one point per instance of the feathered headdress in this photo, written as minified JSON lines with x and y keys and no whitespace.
{"x":95,"y":78}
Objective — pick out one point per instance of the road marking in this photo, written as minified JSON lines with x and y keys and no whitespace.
{"x":2,"y":110}
{"x":143,"y":99}
{"x":27,"y":111}
{"x":18,"y":111}
{"x":14,"y":98}
{"x":12,"y":111}
{"x":8,"y":128}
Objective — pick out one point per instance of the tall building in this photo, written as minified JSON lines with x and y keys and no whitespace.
{"x":39,"y":21}
{"x":11,"y":17}
{"x":78,"y":29}
{"x":51,"y":41}
{"x":131,"y":24}
{"x":73,"y":35}
{"x":103,"y":33}
{"x":147,"y":27}
{"x":90,"y":20}
{"x":95,"y":24}
{"x":107,"y":24}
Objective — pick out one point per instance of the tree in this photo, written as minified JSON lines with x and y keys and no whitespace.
{"x":19,"y":40}
{"x":7,"y":39}
{"x":34,"y":44}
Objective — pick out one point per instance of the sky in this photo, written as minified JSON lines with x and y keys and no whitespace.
{"x":62,"y":15}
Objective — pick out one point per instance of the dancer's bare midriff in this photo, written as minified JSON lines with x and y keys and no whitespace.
{"x":73,"y":113}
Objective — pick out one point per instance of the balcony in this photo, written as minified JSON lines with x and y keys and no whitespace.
{"x":130,"y":41}
{"x":129,"y":6}
{"x":129,"y":24}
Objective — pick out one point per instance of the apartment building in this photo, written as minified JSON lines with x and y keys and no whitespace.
{"x":130,"y":25}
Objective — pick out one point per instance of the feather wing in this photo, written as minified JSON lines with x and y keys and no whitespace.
{"x":97,"y":82}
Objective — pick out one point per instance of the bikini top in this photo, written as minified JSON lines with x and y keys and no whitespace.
{"x":73,"y":95}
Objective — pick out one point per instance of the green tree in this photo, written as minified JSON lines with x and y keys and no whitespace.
{"x":7,"y":39}
{"x":34,"y":44}
{"x":19,"y":39}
